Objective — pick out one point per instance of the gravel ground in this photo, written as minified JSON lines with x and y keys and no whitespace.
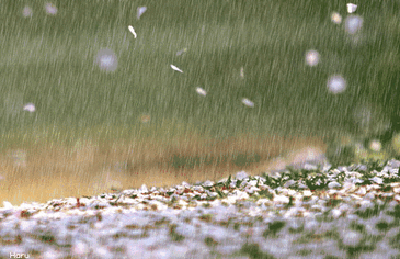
{"x":346,"y":212}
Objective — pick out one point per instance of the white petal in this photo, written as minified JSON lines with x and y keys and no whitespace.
{"x":312,"y":57}
{"x":201,"y":91}
{"x":353,"y":24}
{"x":7,"y":205}
{"x":351,"y":8}
{"x":336,"y":18}
{"x":27,"y":11}
{"x":131,"y":29}
{"x":336,"y":84}
{"x":140,"y":11}
{"x":176,"y":68}
{"x":247,"y":102}
{"x":30,"y":107}
{"x":50,"y":8}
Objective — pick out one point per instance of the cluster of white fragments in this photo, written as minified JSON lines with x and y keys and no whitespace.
{"x":347,"y":212}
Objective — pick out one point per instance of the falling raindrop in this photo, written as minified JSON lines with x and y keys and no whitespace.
{"x":336,"y":84}
{"x":106,"y":60}
{"x":140,"y":11}
{"x":241,"y":72}
{"x":312,"y":58}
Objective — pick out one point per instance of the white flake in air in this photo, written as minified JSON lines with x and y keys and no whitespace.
{"x":176,"y":68}
{"x":247,"y":102}
{"x":336,"y":18}
{"x":132,"y":30}
{"x":201,"y":91}
{"x":351,"y":8}
{"x":140,"y":11}
{"x":30,"y":107}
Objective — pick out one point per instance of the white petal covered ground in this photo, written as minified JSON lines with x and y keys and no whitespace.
{"x":348,"y":212}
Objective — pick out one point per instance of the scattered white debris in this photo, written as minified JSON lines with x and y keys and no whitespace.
{"x":336,"y":18}
{"x":176,"y":68}
{"x":107,"y":60}
{"x":336,"y":84}
{"x":241,"y":175}
{"x":227,"y":215}
{"x":140,"y":11}
{"x":201,"y":91}
{"x":30,"y":107}
{"x":351,"y":238}
{"x":132,"y":30}
{"x":247,"y":102}
{"x":143,"y":188}
{"x":351,"y":8}
{"x":27,"y":11}
{"x":375,"y":145}
{"x":50,"y":8}
{"x":312,"y":58}
{"x":7,"y":205}
{"x":353,"y":24}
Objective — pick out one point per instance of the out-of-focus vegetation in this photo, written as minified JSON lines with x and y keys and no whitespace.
{"x":233,"y":50}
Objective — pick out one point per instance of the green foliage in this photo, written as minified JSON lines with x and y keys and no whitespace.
{"x":48,"y":60}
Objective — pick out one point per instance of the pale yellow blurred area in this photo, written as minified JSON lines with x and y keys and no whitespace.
{"x":46,"y":172}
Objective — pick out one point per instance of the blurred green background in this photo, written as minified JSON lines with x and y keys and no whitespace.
{"x":50,"y":60}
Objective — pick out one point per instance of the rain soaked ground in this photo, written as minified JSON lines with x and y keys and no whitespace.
{"x":112,"y":94}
